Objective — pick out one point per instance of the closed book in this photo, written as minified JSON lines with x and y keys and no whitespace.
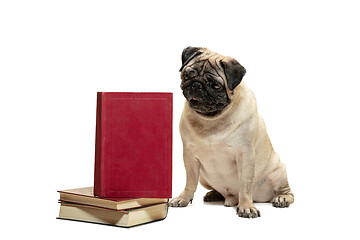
{"x":133,"y":149}
{"x":128,"y":218}
{"x":85,"y":196}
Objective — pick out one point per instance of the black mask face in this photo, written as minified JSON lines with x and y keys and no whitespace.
{"x":203,"y":87}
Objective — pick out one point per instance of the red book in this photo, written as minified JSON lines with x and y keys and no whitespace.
{"x":133,"y":149}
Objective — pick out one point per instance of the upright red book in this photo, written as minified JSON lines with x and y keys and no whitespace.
{"x":133,"y":149}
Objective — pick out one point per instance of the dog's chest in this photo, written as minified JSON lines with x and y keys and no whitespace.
{"x":218,"y":165}
{"x":216,"y":157}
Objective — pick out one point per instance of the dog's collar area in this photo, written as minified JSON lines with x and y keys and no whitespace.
{"x":211,"y":114}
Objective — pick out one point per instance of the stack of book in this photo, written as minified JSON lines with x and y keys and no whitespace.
{"x":81,"y":205}
{"x":133,"y":162}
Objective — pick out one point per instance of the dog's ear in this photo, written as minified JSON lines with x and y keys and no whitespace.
{"x":188,"y":54}
{"x":234,"y":72}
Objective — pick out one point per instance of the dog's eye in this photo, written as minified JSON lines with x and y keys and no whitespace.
{"x":212,"y":82}
{"x":215,"y":85}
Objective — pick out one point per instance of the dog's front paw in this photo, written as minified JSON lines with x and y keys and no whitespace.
{"x":282,"y":201}
{"x":250,"y":212}
{"x":179,"y":202}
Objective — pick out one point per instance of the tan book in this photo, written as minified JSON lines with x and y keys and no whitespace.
{"x":126,"y":218}
{"x":86,"y":196}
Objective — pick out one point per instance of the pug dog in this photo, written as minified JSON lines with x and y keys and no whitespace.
{"x":225,"y":143}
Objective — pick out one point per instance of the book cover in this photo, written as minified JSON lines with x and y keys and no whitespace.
{"x":133,"y":149}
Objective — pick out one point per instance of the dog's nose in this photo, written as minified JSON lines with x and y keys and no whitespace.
{"x":189,"y":73}
{"x":196,"y":86}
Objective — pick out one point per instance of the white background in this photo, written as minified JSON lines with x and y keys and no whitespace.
{"x":302,"y":60}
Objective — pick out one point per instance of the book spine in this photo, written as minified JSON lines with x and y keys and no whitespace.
{"x":170,"y":145}
{"x":98,"y":140}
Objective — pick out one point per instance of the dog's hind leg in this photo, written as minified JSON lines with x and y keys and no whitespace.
{"x":283,"y":196}
{"x":213,"y":195}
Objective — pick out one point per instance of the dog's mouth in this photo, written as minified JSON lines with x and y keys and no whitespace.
{"x":196,"y":101}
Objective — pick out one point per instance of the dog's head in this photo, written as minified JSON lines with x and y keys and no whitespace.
{"x":207,"y":78}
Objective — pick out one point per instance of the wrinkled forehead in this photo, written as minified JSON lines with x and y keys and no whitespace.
{"x":208,"y":63}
